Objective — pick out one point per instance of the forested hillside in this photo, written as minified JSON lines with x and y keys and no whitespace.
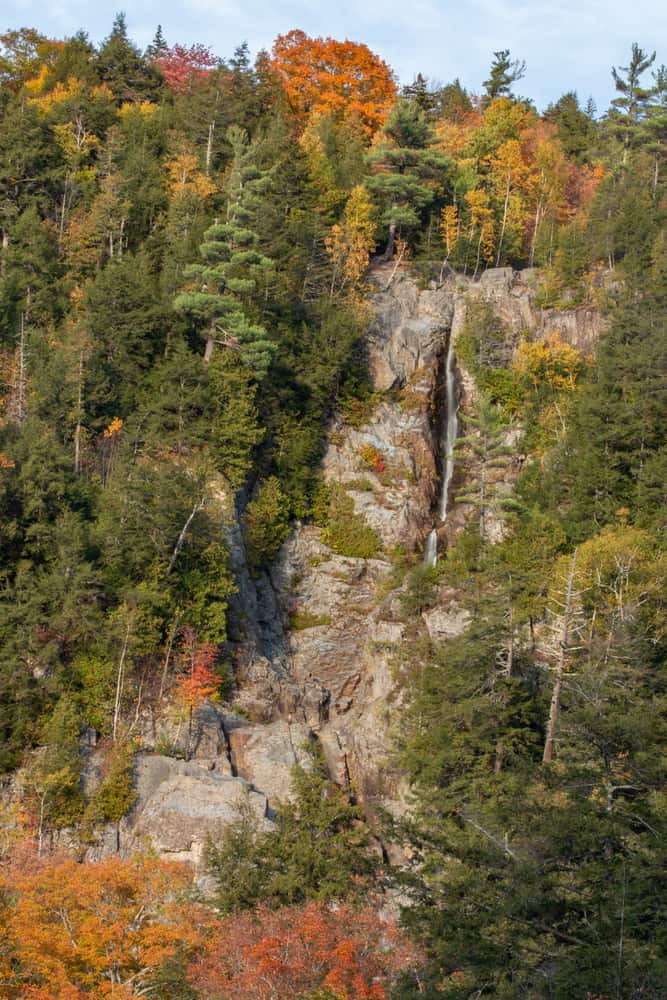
{"x":193,"y":251}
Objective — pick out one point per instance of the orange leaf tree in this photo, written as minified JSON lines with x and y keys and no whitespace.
{"x":341,"y":79}
{"x":94,"y":930}
{"x":301,"y":951}
{"x":198,"y":680}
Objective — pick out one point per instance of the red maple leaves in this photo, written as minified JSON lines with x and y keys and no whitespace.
{"x":184,"y":66}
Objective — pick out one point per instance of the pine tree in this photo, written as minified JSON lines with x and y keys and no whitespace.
{"x":158,"y":46}
{"x":628,"y":112}
{"x":504,"y":72}
{"x":576,"y":126}
{"x":233,"y":266}
{"x":124,"y":69}
{"x":407,"y":172}
{"x":319,"y":849}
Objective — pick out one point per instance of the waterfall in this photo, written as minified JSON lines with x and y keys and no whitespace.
{"x":431,"y":550}
{"x":447,"y":442}
{"x":451,"y":429}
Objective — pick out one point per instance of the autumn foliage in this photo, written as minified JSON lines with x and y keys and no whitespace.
{"x":94,"y":930}
{"x":516,"y":185}
{"x":198,"y":680}
{"x":304,"y":951}
{"x":341,"y":79}
{"x":108,"y":929}
{"x":183,"y":67}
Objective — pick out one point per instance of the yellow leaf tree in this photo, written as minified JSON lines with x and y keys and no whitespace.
{"x":350,"y":243}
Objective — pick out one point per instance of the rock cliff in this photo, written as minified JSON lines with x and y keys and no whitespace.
{"x":312,"y":638}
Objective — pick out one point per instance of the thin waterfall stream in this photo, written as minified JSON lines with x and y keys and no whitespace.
{"x":447,"y":444}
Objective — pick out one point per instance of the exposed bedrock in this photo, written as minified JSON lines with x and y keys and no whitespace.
{"x":313,"y":640}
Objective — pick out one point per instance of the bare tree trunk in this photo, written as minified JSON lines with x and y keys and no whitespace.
{"x":120,"y":680}
{"x":504,"y":222}
{"x":554,"y":709}
{"x":210,"y":344}
{"x":533,"y":242}
{"x":397,"y":264}
{"x":184,"y":530}
{"x":209,"y":148}
{"x":167,"y":657}
{"x":479,"y":252}
{"x":391,"y":242}
{"x":79,"y":407}
{"x":21,"y":375}
{"x":63,"y":206}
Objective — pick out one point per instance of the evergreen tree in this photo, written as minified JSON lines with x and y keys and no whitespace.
{"x":158,"y":46}
{"x":485,"y":451}
{"x":320,"y":848}
{"x":233,"y":266}
{"x":576,"y":127}
{"x":407,"y":172}
{"x":127,"y":325}
{"x":453,"y":101}
{"x":123,"y":68}
{"x":503,"y":73}
{"x":627,"y":115}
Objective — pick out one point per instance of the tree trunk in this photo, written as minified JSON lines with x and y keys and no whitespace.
{"x":79,"y":407}
{"x":21,"y":376}
{"x":533,"y":242}
{"x":482,"y":504}
{"x":208,"y":353}
{"x":479,"y":252}
{"x":554,"y":709}
{"x":120,"y":679}
{"x":391,"y":242}
{"x":500,"y":753}
{"x":196,"y":507}
{"x":209,"y":148}
{"x":504,"y":222}
{"x":167,"y":658}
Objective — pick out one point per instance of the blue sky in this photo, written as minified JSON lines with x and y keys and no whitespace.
{"x":567,"y":44}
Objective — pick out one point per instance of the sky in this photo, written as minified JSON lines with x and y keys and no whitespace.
{"x":567,"y":44}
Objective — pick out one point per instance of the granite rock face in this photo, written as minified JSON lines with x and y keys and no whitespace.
{"x":265,"y":755}
{"x":333,"y":672}
{"x":313,"y":640}
{"x":181,"y":804}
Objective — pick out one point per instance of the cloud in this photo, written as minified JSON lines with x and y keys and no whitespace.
{"x":567,"y":44}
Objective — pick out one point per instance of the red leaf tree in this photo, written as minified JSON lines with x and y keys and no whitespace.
{"x":198,"y":680}
{"x":352,"y":954}
{"x":182,"y":68}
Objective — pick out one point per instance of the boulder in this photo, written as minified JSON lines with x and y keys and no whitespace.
{"x":180,"y":804}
